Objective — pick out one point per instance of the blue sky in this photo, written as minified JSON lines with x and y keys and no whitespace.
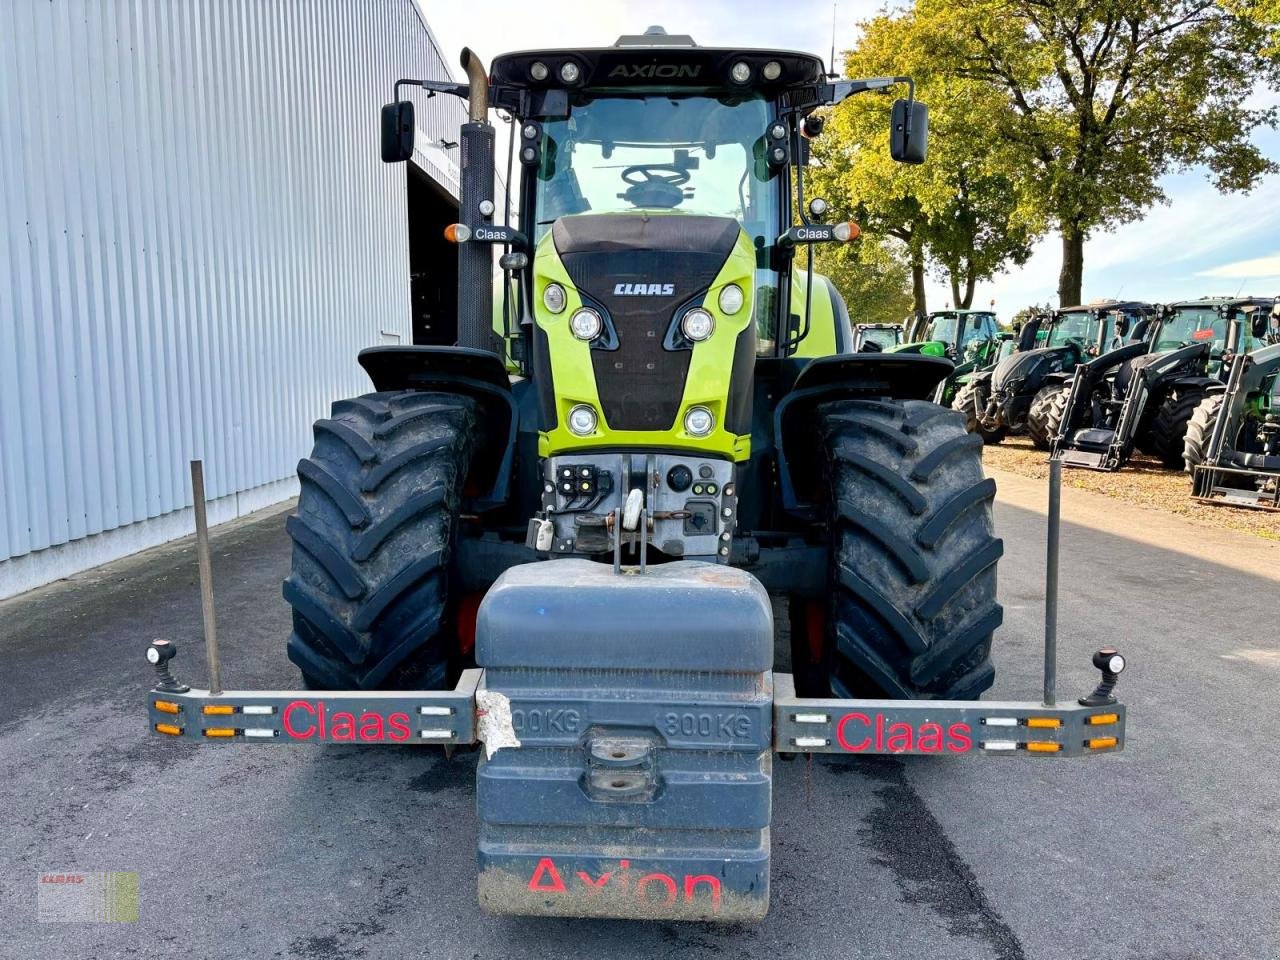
{"x":1200,"y":243}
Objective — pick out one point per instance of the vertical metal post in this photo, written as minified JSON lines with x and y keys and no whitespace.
{"x":206,"y":578}
{"x":1051,"y":583}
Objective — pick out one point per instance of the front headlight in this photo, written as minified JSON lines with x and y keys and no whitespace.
{"x":583,"y":420}
{"x":697,"y":325}
{"x":731,"y":299}
{"x":553,"y":297}
{"x":586,"y":323}
{"x":699,"y":422}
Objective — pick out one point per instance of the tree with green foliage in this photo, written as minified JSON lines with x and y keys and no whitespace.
{"x":872,"y":278}
{"x":1102,"y":99}
{"x":961,"y":213}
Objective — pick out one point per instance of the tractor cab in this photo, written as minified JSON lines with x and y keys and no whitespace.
{"x":1227,"y":324}
{"x":656,"y":255}
{"x":876,"y":337}
{"x":955,"y":334}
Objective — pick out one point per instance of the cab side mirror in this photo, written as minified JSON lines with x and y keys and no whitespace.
{"x":909,"y":131}
{"x":1257,"y":321}
{"x":397,"y":131}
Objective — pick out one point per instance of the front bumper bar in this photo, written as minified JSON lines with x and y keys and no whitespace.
{"x":942,"y":727}
{"x":309,"y":716}
{"x":800,"y":725}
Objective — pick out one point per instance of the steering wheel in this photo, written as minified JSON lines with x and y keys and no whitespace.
{"x":644,"y":174}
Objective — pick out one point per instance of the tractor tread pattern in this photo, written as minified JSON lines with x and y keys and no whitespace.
{"x":963,"y":404}
{"x":1044,"y":416}
{"x":372,"y":540}
{"x":1167,"y":435}
{"x":1195,"y":446}
{"x":913,"y":603}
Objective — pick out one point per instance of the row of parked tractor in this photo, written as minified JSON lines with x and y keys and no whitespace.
{"x":1194,"y":384}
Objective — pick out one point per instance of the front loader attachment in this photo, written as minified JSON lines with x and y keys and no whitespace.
{"x":1235,"y":477}
{"x":1107,"y":404}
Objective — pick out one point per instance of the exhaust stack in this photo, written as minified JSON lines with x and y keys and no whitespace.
{"x":475,"y":260}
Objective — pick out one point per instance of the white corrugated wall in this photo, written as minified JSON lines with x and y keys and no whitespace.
{"x":197,"y":236}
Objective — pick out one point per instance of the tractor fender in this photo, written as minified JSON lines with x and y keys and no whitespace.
{"x":474,"y":373}
{"x":980,"y":376}
{"x":1207,"y":384}
{"x":900,"y":376}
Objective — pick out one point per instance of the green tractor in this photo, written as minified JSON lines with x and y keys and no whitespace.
{"x":970,"y":339}
{"x":1014,"y":395}
{"x":1145,"y":393}
{"x":1232,"y":445}
{"x":661,"y":351}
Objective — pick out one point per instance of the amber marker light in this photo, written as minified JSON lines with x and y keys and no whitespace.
{"x":1043,"y":722}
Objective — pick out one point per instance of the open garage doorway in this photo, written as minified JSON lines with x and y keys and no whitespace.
{"x":433,"y":261}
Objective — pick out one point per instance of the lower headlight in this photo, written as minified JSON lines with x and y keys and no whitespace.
{"x":697,"y":325}
{"x":586,"y":324}
{"x":699,"y":422}
{"x":583,"y":420}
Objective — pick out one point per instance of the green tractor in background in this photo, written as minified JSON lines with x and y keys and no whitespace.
{"x":1145,"y":393}
{"x":1232,"y":444}
{"x":972,"y":341}
{"x":1013,"y":395}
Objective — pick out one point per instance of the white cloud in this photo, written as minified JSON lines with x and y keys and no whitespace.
{"x":1246,"y":269}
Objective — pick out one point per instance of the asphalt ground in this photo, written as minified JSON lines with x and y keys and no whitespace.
{"x":1168,"y":850}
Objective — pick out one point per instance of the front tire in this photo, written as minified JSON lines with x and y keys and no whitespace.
{"x":1166,"y":438}
{"x":373,"y":541}
{"x":1195,"y":445}
{"x":965,"y":403}
{"x":913,"y":583}
{"x":1044,"y":417}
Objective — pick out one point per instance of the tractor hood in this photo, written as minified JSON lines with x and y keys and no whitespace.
{"x":1027,"y":370}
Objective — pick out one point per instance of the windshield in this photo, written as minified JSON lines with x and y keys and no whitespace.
{"x":1080,"y":326}
{"x":692,"y":154}
{"x":883,"y":337}
{"x":942,"y":326}
{"x":977,"y":326}
{"x":1189,"y":325}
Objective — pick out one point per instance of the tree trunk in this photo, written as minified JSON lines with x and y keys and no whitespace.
{"x":917,"y":285}
{"x":970,"y":281}
{"x":1071,"y":278}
